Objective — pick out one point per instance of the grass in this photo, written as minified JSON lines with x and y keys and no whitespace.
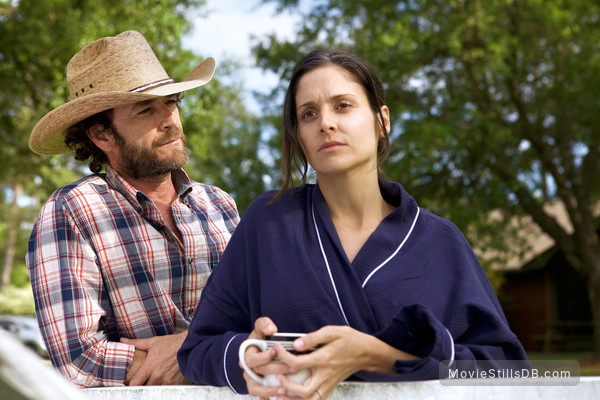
{"x":17,"y":301}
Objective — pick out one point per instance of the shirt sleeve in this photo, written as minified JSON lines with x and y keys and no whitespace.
{"x":68,"y":291}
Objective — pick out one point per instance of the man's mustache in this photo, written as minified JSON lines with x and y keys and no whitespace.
{"x":172,"y":134}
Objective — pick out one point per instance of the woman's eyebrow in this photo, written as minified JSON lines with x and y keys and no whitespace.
{"x":334,"y":97}
{"x":304,"y":105}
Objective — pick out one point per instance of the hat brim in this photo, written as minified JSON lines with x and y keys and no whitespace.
{"x":47,"y":136}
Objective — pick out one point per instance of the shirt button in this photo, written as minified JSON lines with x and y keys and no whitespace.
{"x":190,"y":261}
{"x":190,"y":311}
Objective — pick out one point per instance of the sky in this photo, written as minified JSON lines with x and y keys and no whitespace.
{"x":225,"y":33}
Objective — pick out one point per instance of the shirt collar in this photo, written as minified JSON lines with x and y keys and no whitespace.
{"x":183,"y":185}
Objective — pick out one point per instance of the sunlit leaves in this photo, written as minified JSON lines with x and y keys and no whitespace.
{"x":468,"y":82}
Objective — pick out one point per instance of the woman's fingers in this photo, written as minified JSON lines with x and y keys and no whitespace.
{"x":256,"y":389}
{"x":264,"y":326}
{"x":307,"y":389}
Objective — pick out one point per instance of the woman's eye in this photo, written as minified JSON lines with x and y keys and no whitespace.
{"x":344,"y":105}
{"x":307,"y":114}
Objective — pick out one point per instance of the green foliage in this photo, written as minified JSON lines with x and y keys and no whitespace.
{"x":44,"y":35}
{"x":493,"y":102}
{"x":17,"y":301}
{"x":225,"y":140}
{"x":19,"y":277}
{"x":39,"y":37}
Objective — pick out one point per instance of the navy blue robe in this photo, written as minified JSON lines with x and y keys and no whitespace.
{"x":415,"y":284}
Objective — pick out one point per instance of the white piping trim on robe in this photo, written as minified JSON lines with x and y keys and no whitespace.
{"x":328,"y":269}
{"x":225,"y":364}
{"x":395,"y":252}
{"x":451,"y":354}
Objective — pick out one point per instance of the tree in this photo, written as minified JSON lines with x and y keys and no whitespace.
{"x":228,"y":142}
{"x":495,"y":103}
{"x":38,"y":39}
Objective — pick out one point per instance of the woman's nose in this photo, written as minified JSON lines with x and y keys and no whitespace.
{"x":328,"y":123}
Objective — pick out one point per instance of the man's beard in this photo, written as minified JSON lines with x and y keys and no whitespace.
{"x":142,"y":163}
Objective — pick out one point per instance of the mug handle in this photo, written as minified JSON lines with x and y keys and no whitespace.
{"x":262,"y":345}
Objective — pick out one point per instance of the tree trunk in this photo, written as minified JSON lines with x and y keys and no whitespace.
{"x":11,"y":240}
{"x":594,"y":295}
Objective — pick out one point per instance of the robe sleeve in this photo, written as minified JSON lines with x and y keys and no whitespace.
{"x":209,"y":355}
{"x":463,"y":320}
{"x":223,"y":318}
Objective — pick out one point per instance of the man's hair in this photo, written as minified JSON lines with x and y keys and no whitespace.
{"x":77,"y":139}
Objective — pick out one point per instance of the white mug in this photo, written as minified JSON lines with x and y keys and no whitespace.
{"x":270,"y":379}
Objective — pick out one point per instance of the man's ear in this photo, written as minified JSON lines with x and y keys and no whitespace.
{"x":102,"y":137}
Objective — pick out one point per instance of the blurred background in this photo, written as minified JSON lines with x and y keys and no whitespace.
{"x":495,"y":112}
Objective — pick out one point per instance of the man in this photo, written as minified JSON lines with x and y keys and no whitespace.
{"x":117,"y":260}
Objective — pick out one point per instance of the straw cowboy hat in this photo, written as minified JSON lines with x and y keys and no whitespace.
{"x":110,"y":72}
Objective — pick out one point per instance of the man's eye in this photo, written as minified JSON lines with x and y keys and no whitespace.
{"x":173,"y":102}
{"x":144,"y":111}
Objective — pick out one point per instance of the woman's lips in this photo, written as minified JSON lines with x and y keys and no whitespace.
{"x":331,"y":146}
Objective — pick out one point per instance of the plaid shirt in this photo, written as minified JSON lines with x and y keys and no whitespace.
{"x":104,"y":265}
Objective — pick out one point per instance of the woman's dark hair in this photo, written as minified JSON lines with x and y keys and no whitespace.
{"x":77,"y":139}
{"x":293,"y":157}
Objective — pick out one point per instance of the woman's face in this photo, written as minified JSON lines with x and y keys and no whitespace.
{"x":337,"y":128}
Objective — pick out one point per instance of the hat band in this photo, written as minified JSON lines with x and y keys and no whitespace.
{"x":152,"y":85}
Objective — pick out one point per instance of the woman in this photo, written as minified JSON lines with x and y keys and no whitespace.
{"x":386,"y":290}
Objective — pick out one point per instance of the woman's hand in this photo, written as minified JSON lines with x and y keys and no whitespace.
{"x":342,"y":352}
{"x":262,"y":363}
